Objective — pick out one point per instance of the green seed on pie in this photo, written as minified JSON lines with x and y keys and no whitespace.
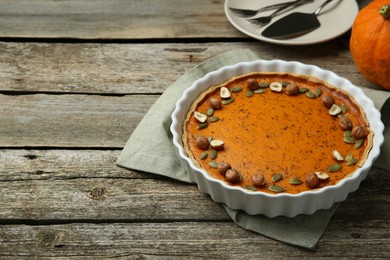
{"x":276,"y":188}
{"x":264,"y":84}
{"x":203,"y":125}
{"x":203,"y":156}
{"x":236,"y":89}
{"x":213,"y":164}
{"x":344,"y":108}
{"x":295,"y":181}
{"x":249,"y":93}
{"x":349,"y":139}
{"x":359,"y":143}
{"x":259,"y":91}
{"x":277,"y":177}
{"x":213,"y":119}
{"x":334,"y":167}
{"x":213,"y":154}
{"x":227,"y":101}
{"x":303,"y":90}
{"x":352,"y":161}
{"x":310,"y":95}
{"x":318,"y":92}
{"x":285,"y":83}
{"x":210,"y":111}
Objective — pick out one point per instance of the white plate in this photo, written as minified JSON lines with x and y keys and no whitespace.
{"x":336,"y":18}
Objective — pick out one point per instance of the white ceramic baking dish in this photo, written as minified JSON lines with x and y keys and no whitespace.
{"x":281,"y":204}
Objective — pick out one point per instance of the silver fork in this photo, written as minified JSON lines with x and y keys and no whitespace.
{"x":246,"y":13}
{"x":266,"y":19}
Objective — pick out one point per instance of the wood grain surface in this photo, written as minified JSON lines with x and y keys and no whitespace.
{"x":76,"y":78}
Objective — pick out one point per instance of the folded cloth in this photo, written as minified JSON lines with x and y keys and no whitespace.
{"x":150,"y":149}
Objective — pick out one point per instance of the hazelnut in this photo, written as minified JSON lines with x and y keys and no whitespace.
{"x":312,"y":180}
{"x":233,"y":176}
{"x":327,"y":101}
{"x":345,"y":123}
{"x":252,"y":84}
{"x":258,"y":180}
{"x":292,"y":89}
{"x":276,"y":86}
{"x":217,"y":144}
{"x":215,"y":103}
{"x":359,"y":132}
{"x":334,"y":110}
{"x":225,"y":92}
{"x":223,"y":167}
{"x":202,"y":142}
{"x":200,"y":117}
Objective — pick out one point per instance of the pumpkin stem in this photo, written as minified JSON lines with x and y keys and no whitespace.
{"x":385,"y":11}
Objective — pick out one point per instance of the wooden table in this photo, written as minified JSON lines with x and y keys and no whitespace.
{"x":76,"y":78}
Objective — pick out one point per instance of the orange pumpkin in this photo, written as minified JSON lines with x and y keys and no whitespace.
{"x":370,"y":42}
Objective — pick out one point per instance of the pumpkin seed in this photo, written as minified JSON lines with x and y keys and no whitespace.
{"x":295,"y":181}
{"x":318,"y":92}
{"x":349,"y":157}
{"x":213,"y":119}
{"x":349,"y":139}
{"x":210,"y":111}
{"x":259,"y":91}
{"x":359,"y":143}
{"x":227,"y":101}
{"x":334,"y":167}
{"x":276,"y":188}
{"x":348,"y":133}
{"x":310,"y":94}
{"x":285,"y":83}
{"x":213,"y":154}
{"x":277,"y":177}
{"x":236,"y":89}
{"x":303,"y":90}
{"x":213,"y":164}
{"x":249,"y":93}
{"x":344,"y":108}
{"x":203,"y":155}
{"x":264,"y":84}
{"x":352,"y":162}
{"x":250,"y":187}
{"x":210,"y":138}
{"x":203,"y":125}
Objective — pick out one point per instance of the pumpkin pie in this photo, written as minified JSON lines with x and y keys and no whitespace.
{"x":277,"y":132}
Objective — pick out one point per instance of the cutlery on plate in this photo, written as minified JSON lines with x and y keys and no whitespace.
{"x":246,"y":13}
{"x":294,"y":24}
{"x":263,"y":20}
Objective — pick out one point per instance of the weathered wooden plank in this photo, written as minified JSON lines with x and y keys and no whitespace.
{"x":83,"y":196}
{"x":70,"y":120}
{"x":104,"y":199}
{"x":178,"y":240}
{"x":115,"y":19}
{"x":25,"y":165}
{"x":140,"y":68}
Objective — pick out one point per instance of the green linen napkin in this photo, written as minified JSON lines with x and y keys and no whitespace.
{"x":150,"y":149}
